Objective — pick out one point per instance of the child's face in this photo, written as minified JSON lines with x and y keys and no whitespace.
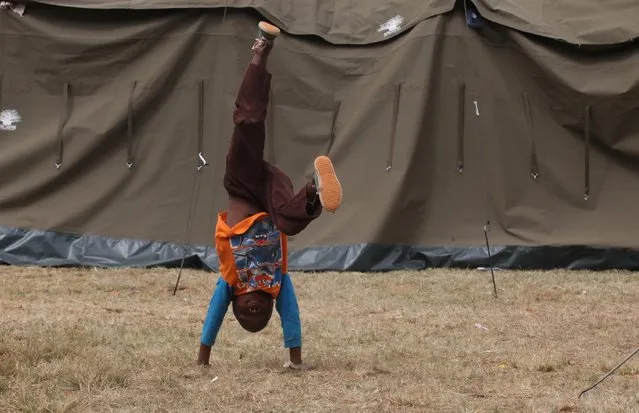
{"x":253,"y":310}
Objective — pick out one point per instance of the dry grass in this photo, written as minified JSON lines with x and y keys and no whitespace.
{"x":117,"y":340}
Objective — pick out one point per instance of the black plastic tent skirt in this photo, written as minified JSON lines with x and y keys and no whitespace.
{"x":48,"y":248}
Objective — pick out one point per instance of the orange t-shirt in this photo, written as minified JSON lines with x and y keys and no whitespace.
{"x":252,"y":254}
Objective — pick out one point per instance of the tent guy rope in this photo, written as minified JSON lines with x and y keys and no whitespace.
{"x":189,"y":222}
{"x":609,"y":373}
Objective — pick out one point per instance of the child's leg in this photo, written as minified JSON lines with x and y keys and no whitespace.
{"x":293,"y":212}
{"x":244,"y":162}
{"x":263,"y":186}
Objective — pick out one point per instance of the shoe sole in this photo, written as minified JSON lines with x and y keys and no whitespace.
{"x":328,"y":186}
{"x":268,"y":29}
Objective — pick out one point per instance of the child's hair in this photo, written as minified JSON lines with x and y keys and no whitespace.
{"x":250,"y":321}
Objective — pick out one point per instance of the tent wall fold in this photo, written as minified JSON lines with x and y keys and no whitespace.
{"x":578,"y":22}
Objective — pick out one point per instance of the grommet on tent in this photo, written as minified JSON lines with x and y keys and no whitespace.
{"x":129,"y":155}
{"x":391,"y":144}
{"x":461,"y":126}
{"x":63,"y":121}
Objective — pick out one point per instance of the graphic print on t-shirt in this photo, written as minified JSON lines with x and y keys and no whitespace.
{"x":258,"y":256}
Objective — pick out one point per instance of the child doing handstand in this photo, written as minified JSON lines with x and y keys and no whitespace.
{"x":251,"y":237}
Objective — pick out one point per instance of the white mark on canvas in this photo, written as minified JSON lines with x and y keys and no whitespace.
{"x":392,"y":26}
{"x":476,"y":107}
{"x":8,"y":119}
{"x":16,"y":8}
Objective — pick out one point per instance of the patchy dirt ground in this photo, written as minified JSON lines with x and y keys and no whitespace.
{"x":74,"y":340}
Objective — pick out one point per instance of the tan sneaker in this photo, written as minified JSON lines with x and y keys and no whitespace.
{"x":266,"y":36}
{"x":268,"y":31}
{"x":329,"y":188}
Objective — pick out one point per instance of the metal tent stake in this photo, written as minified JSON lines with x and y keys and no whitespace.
{"x":492,"y":270}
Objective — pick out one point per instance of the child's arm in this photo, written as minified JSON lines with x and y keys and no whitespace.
{"x":288,"y":309}
{"x":217,"y":310}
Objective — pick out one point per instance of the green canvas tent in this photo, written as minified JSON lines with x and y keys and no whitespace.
{"x":440,"y":116}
